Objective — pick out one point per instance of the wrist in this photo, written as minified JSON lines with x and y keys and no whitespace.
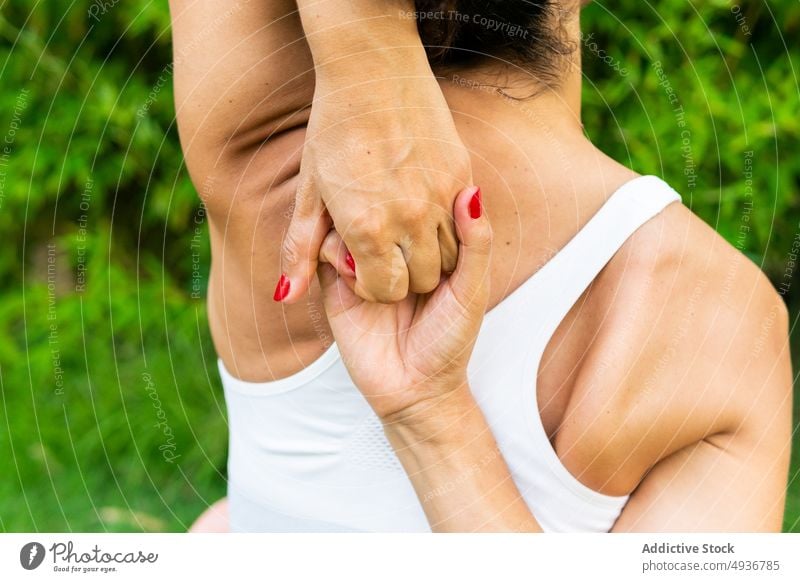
{"x":435,"y":422}
{"x":458,"y":471}
{"x":362,"y":39}
{"x":374,"y":68}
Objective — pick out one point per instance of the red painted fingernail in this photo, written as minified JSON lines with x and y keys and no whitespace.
{"x":351,"y":262}
{"x":282,"y":288}
{"x":475,"y":205}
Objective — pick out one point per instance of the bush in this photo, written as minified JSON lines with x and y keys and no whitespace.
{"x":113,"y":412}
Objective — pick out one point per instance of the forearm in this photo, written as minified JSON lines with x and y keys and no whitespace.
{"x":369,"y":40}
{"x":458,"y":472}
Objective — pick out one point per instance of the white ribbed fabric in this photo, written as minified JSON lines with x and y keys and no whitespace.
{"x":308,"y":454}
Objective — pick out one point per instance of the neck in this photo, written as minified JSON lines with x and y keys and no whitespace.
{"x":543,"y":121}
{"x":532,"y":145}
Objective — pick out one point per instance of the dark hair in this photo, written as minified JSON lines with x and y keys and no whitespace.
{"x":528,"y":34}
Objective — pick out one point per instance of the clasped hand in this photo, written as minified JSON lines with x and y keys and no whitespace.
{"x":383,"y":170}
{"x":415,"y":351}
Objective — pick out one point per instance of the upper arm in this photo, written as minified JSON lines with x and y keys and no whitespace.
{"x":733,"y":480}
{"x":243,"y":81}
{"x":735,"y":484}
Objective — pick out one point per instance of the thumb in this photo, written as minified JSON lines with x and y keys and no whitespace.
{"x":469,"y":283}
{"x":336,"y":276}
{"x":301,"y":245}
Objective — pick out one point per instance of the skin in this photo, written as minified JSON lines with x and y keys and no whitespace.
{"x":669,"y":379}
{"x":379,"y":113}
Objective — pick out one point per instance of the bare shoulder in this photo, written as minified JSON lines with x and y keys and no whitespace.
{"x":708,"y":309}
{"x":691,"y":345}
{"x":689,"y":279}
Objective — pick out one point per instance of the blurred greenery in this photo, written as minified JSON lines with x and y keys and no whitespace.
{"x":112,"y":416}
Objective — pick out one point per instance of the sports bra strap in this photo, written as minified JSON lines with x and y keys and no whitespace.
{"x":557,"y":286}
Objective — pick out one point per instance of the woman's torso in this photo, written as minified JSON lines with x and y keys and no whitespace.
{"x":308,"y":454}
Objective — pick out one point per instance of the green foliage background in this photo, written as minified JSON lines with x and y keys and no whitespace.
{"x":93,"y":184}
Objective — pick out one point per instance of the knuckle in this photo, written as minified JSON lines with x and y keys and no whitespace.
{"x":449,"y":252}
{"x":484,"y":236}
{"x":449,"y":263}
{"x":425,"y":285}
{"x":306,"y":197}
{"x":390,"y":295}
{"x":368,"y":224}
{"x":416,"y":213}
{"x":425,"y":273}
{"x":368,"y":231}
{"x":388,"y":281}
{"x":291,"y":250}
{"x":327,"y":252}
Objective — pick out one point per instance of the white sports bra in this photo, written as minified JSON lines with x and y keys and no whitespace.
{"x":307,"y":454}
